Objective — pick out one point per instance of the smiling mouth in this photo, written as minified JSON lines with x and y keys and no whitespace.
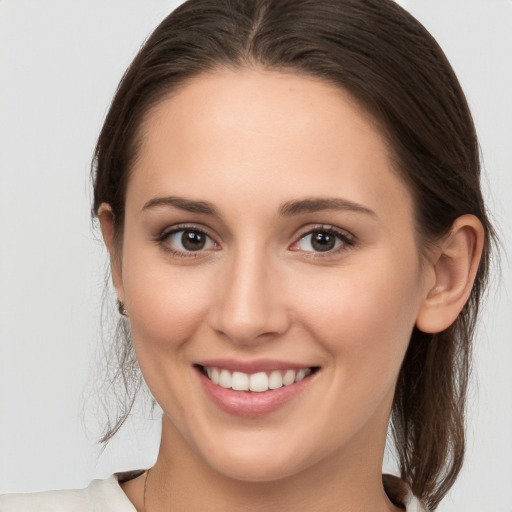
{"x":255,"y":382}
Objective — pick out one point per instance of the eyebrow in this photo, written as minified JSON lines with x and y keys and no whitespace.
{"x":313,"y":205}
{"x":187,"y":205}
{"x":288,"y":209}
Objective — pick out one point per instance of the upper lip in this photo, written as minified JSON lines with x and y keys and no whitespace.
{"x":250,"y":367}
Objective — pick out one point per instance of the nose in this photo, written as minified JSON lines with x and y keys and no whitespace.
{"x":250,"y":305}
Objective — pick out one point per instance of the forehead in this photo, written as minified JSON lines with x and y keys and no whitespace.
{"x":257,"y":134}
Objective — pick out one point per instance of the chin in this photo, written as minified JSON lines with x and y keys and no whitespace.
{"x":257,"y":458}
{"x":255,"y":471}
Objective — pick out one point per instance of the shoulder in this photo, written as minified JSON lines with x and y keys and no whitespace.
{"x":401,"y":495}
{"x":413,"y":504}
{"x":101,"y":495}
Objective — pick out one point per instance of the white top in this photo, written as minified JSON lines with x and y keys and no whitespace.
{"x":100,"y":496}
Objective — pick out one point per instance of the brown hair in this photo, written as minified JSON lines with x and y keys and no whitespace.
{"x":396,"y":71}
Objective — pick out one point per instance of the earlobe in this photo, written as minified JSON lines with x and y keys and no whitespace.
{"x":106,"y":218}
{"x":455,"y":266}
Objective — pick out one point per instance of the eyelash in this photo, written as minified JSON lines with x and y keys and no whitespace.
{"x":161,"y":240}
{"x":347,"y":241}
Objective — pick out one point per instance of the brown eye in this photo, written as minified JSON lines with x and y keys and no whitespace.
{"x":322,"y":241}
{"x":189,"y":240}
{"x":193,"y":240}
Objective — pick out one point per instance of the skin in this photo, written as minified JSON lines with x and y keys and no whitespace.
{"x":248,"y":142}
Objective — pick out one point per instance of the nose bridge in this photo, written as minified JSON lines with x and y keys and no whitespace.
{"x":250,"y":301}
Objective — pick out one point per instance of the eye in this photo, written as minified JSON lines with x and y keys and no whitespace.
{"x":322,"y":240}
{"x":188,"y":241}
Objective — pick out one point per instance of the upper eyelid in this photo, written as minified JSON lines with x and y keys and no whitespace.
{"x":169,"y":230}
{"x":329,"y":228}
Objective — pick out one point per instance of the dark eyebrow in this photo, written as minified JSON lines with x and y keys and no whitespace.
{"x":183,"y":204}
{"x":319,"y":204}
{"x":288,"y":209}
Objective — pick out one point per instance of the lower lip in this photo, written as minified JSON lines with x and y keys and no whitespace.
{"x":252,"y":404}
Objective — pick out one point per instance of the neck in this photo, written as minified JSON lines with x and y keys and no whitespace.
{"x":182,"y":481}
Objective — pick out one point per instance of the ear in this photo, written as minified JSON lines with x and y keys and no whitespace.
{"x":455,"y":264}
{"x":106,"y":218}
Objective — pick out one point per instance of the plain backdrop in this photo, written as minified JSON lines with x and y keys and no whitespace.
{"x":60,"y":62}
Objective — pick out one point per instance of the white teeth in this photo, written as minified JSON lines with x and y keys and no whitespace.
{"x":300,"y":375}
{"x":256,"y":382}
{"x":225,"y":379}
{"x":289,"y":377}
{"x":275,"y":380}
{"x":240,"y":381}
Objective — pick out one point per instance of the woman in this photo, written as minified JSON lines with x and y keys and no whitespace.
{"x":289,"y":194}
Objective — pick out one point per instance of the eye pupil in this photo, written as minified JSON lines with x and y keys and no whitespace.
{"x":193,"y":240}
{"x":322,"y":241}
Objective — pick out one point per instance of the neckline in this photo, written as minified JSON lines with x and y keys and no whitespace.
{"x":397,"y":490}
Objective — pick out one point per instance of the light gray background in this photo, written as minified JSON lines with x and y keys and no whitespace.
{"x":60,"y":62}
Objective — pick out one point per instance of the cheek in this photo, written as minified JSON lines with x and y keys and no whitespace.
{"x":166,"y":304}
{"x":364,"y":315}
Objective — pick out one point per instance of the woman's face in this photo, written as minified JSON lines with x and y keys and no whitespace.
{"x":267,"y":238}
